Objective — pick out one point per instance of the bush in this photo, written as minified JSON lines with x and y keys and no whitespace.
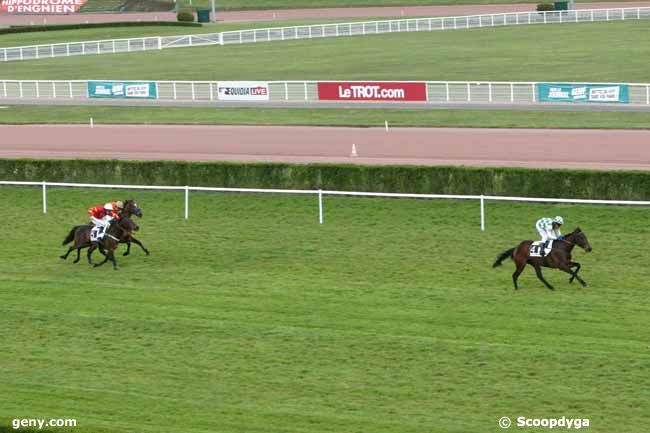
{"x":49,"y":28}
{"x":613,"y":185}
{"x":185,"y":15}
{"x":545,"y":7}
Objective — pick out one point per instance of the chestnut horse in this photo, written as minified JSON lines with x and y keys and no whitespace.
{"x":558,"y":258}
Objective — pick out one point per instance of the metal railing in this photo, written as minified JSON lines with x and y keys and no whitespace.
{"x":320,"y":193}
{"x":305,"y":91}
{"x":113,"y":46}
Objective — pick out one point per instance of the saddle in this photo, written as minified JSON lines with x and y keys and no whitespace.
{"x":536,"y":249}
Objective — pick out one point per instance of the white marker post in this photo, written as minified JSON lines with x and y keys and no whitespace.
{"x":187,"y":202}
{"x":44,"y":197}
{"x":354,"y":153}
{"x":320,"y":206}
{"x":92,"y":124}
{"x":386,"y":125}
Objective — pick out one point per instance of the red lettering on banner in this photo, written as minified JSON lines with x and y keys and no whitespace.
{"x":372,"y":91}
{"x":41,"y":6}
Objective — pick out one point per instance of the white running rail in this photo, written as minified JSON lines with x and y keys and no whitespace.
{"x":503,"y":92}
{"x":320,"y":193}
{"x":113,"y":46}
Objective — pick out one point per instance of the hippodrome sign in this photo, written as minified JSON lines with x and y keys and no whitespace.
{"x":41,"y":6}
{"x":372,"y":91}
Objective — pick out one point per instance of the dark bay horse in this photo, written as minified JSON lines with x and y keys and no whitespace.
{"x":558,"y":258}
{"x":121,"y":229}
{"x":81,"y":234}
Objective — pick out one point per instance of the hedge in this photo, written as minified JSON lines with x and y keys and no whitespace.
{"x":47,"y":28}
{"x":612,"y":185}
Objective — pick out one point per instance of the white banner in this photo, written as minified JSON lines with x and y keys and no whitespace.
{"x":243,"y":91}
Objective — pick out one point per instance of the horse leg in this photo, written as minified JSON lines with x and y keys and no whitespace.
{"x":111,"y":254}
{"x":78,"y":255}
{"x":65,"y":256}
{"x":574,"y":265}
{"x":538,"y":271}
{"x":520,"y":266}
{"x":106,"y":257}
{"x":128,"y":248}
{"x":137,"y":242}
{"x":574,"y":274}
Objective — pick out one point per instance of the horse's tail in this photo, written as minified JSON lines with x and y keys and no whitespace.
{"x":504,"y":255}
{"x":70,"y":236}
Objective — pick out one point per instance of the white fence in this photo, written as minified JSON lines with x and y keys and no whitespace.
{"x":296,"y":91}
{"x":320,"y":193}
{"x":113,"y":46}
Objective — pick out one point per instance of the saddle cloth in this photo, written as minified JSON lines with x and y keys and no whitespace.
{"x":536,"y":248}
{"x":94,"y":232}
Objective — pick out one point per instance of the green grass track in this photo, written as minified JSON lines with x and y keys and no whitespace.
{"x":251,"y":317}
{"x":495,"y":118}
{"x":614,"y":51}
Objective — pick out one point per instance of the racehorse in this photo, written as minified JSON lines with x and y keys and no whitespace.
{"x":130,"y":208}
{"x":559,"y":257}
{"x":81,"y":234}
{"x":81,"y":237}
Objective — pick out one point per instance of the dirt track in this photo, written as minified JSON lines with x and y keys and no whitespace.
{"x":588,"y":149}
{"x":286,"y":14}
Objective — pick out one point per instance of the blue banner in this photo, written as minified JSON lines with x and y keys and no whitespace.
{"x":122,"y":89}
{"x":600,"y":93}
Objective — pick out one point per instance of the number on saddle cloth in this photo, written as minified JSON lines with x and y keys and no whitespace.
{"x":94,"y":232}
{"x":536,"y":248}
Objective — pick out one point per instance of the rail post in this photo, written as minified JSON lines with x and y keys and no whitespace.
{"x":44,"y":197}
{"x":187,"y":202}
{"x":320,"y":206}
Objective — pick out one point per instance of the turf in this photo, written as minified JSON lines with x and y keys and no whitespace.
{"x":426,"y":117}
{"x":496,"y":54}
{"x":250,"y":317}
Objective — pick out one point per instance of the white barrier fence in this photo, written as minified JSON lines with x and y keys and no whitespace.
{"x":304,"y":91}
{"x":113,"y":46}
{"x":320,"y":193}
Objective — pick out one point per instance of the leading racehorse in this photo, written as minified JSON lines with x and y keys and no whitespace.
{"x":559,"y":257}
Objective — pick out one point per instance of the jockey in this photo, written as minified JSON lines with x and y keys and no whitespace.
{"x":549,"y":229}
{"x":102,"y":216}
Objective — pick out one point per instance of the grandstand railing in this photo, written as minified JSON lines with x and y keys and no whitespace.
{"x":113,"y":46}
{"x":320,"y":193}
{"x":304,"y":91}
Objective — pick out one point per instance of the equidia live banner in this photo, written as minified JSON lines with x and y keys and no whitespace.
{"x":372,"y":91}
{"x":243,"y":91}
{"x":122,"y":89}
{"x":41,"y":6}
{"x":554,"y":92}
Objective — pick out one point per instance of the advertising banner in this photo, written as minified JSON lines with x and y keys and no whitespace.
{"x":559,"y":92}
{"x":243,"y":91}
{"x":372,"y":91}
{"x":122,"y":89}
{"x":41,"y":6}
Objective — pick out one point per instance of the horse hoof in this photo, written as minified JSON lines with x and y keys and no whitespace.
{"x":61,"y":257}
{"x":125,"y":254}
{"x":147,"y":253}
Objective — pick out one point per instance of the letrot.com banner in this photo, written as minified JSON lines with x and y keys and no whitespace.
{"x":41,"y":6}
{"x":554,"y":92}
{"x":122,"y":89}
{"x":372,"y":91}
{"x":243,"y":91}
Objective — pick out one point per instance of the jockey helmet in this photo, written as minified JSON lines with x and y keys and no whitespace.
{"x":120,"y":205}
{"x":108,"y":206}
{"x":558,"y":220}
